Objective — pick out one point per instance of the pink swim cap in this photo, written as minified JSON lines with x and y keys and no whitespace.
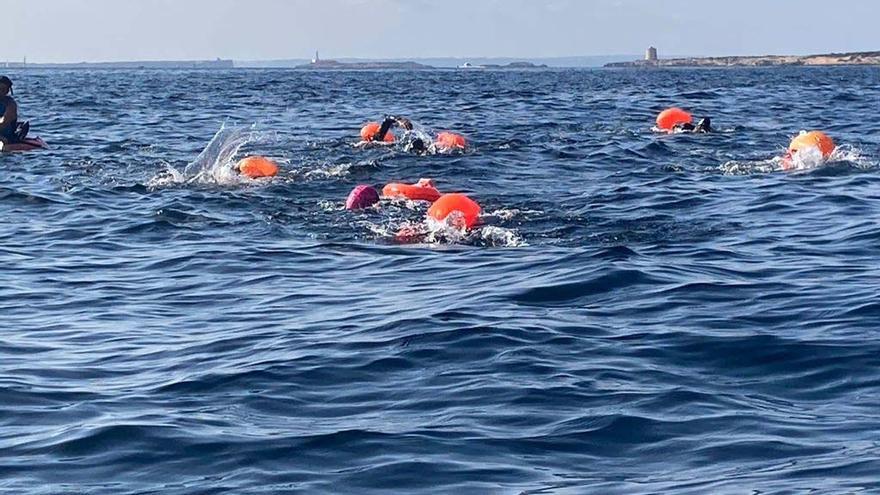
{"x":362,"y":197}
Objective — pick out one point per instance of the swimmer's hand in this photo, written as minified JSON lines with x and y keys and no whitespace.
{"x":402,"y":122}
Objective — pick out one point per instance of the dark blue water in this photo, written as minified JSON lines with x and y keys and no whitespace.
{"x":638,"y":314}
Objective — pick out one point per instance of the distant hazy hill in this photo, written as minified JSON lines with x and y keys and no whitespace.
{"x":446,"y":62}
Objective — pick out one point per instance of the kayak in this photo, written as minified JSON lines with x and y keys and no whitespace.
{"x":26,"y":144}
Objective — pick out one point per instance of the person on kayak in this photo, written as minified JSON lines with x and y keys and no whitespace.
{"x":11,"y":131}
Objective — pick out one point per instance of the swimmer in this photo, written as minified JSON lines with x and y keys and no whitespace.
{"x":808,"y":150}
{"x":413,"y":141}
{"x":704,"y":126}
{"x":11,"y":132}
{"x":413,"y":144}
{"x":450,"y":217}
{"x":678,"y":121}
{"x":365,"y":196}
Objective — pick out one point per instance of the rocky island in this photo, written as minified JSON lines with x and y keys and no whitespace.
{"x":857,"y":58}
{"x":333,"y":65}
{"x":318,"y":64}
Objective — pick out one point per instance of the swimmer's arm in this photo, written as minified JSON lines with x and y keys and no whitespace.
{"x":383,"y":130}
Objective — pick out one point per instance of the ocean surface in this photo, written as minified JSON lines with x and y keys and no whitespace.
{"x":638,"y":313}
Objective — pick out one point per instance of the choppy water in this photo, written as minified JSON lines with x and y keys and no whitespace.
{"x":640,"y":313}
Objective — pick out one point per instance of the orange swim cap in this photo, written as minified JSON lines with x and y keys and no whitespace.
{"x":257,"y":166}
{"x":450,"y":141}
{"x":813,"y":139}
{"x":449,"y":203}
{"x":670,"y":117}
{"x":369,"y":131}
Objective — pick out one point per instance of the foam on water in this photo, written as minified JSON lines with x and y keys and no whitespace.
{"x":500,"y":237}
{"x":507,"y":214}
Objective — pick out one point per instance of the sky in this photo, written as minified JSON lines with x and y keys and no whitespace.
{"x":117,"y":30}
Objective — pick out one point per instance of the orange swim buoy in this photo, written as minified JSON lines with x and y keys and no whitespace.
{"x":812,"y":139}
{"x":424,"y":190}
{"x":671,"y":117}
{"x":257,"y":166}
{"x":450,"y":141}
{"x":370,"y":129}
{"x":451,"y":203}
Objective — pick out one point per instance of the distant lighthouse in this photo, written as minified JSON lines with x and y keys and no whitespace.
{"x":651,"y":54}
{"x":317,"y":58}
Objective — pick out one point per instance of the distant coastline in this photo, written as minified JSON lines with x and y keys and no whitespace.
{"x":440,"y":63}
{"x":330,"y":65}
{"x":334,"y":65}
{"x":831,"y":59}
{"x":153,"y":64}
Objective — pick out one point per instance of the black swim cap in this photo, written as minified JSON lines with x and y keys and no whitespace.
{"x":5,"y":80}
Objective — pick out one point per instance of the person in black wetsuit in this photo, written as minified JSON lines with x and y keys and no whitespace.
{"x":704,"y":126}
{"x":11,"y":131}
{"x":415,"y":145}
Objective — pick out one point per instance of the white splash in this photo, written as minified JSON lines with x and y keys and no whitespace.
{"x":215,"y":164}
{"x":804,"y":160}
{"x":811,"y":158}
{"x":501,"y":237}
{"x":452,"y":231}
{"x":505,"y":214}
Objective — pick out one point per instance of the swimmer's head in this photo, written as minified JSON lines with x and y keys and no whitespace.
{"x":361,"y":197}
{"x":5,"y":86}
{"x":417,"y":146}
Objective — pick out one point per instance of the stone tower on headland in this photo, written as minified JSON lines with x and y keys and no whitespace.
{"x":651,"y":54}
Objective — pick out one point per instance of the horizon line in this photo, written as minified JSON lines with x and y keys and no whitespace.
{"x":24,"y":61}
